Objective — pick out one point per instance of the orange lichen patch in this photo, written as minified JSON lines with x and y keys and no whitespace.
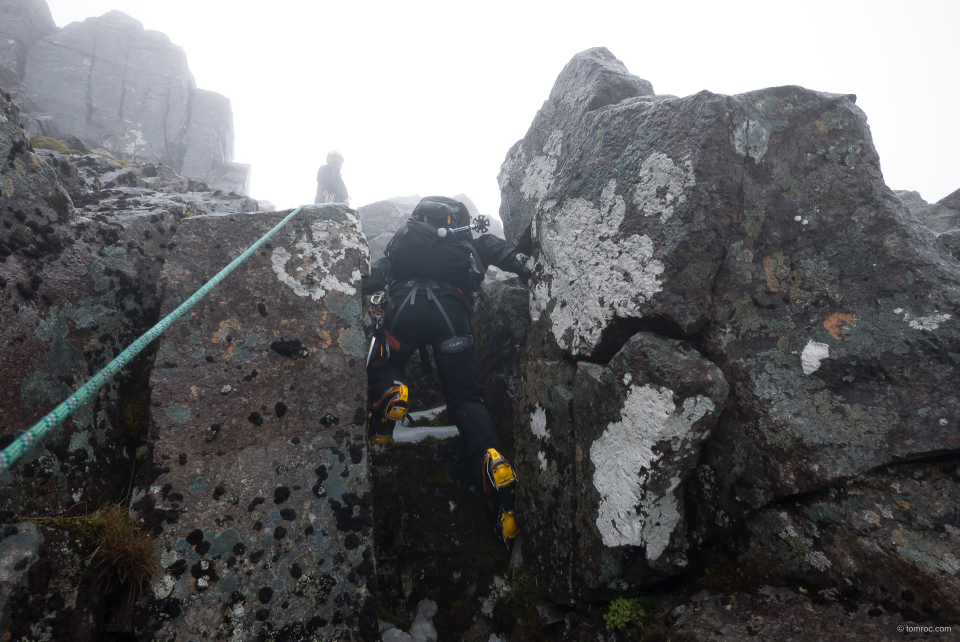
{"x":775,"y":270}
{"x":325,"y":338}
{"x":225,"y":329}
{"x":835,"y":321}
{"x":821,"y":127}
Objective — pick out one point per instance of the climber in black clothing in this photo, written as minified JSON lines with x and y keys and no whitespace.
{"x":330,"y":185}
{"x":432,"y":268}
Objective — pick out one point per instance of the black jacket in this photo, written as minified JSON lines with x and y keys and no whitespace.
{"x":330,"y":186}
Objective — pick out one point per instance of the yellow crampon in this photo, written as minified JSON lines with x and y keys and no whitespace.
{"x":390,"y":408}
{"x":500,"y":487}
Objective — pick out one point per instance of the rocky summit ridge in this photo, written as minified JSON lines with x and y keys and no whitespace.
{"x":118,"y":88}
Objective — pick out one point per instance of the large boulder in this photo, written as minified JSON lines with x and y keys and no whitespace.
{"x":758,"y":228}
{"x":259,"y":481}
{"x":381,"y":220}
{"x":22,"y":23}
{"x":130,"y":91}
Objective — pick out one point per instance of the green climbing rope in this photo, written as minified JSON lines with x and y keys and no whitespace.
{"x":25,"y":441}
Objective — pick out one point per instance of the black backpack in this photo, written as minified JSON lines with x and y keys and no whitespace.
{"x":418,"y":251}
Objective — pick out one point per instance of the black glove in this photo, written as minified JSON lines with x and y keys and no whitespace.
{"x":518,"y":267}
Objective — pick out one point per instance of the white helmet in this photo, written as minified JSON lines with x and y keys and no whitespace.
{"x":334,"y":153}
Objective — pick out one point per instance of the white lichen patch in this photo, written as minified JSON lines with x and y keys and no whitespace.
{"x":817,"y":560}
{"x":928,"y":323}
{"x":163,"y":586}
{"x":950,"y":563}
{"x":540,"y":171}
{"x":543,"y":460}
{"x":662,"y":186}
{"x":313,"y":263}
{"x":813,"y":353}
{"x":606,"y":276}
{"x":624,"y":463}
{"x":538,"y":422}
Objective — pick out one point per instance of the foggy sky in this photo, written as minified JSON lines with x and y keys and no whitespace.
{"x":428,"y":97}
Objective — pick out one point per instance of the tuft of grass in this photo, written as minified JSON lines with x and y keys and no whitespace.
{"x":624,"y":612}
{"x":125,"y":553}
{"x":45,"y":142}
{"x":118,"y":161}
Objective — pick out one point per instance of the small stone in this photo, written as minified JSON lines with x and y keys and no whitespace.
{"x":227,"y":389}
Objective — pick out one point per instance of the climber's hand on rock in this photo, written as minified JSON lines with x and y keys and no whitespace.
{"x":518,"y":267}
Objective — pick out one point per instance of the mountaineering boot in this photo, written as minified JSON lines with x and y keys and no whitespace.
{"x":500,"y":488}
{"x":386,"y":411}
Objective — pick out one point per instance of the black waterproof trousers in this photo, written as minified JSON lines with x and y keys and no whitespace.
{"x":419,"y":322}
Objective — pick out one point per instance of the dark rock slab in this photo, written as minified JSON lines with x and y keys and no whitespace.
{"x":19,"y":547}
{"x":782,"y":614}
{"x":261,"y":490}
{"x":892,"y":538}
{"x":500,"y":321}
{"x":380,"y":221}
{"x":76,"y":290}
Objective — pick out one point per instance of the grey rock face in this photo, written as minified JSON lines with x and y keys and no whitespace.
{"x":758,"y":227}
{"x":130,"y":91}
{"x":380,"y":221}
{"x":22,"y":23}
{"x":258,"y":413}
{"x":943,"y":217}
{"x":939,"y":217}
{"x":19,"y":545}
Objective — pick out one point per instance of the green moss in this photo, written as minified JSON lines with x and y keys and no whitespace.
{"x":441,"y":477}
{"x":624,"y":612}
{"x":121,"y":163}
{"x":45,"y":142}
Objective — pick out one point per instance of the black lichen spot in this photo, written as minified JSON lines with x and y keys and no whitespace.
{"x":280,"y":409}
{"x":175,"y":497}
{"x":352,"y":541}
{"x":239,"y":549}
{"x":255,"y":418}
{"x":359,"y":417}
{"x":178,"y":568}
{"x":22,"y":564}
{"x":281,"y":494}
{"x":262,"y":309}
{"x":182,"y":459}
{"x":329,"y":420}
{"x":209,"y":359}
{"x":295,"y":571}
{"x":203,"y":547}
{"x":308,"y":530}
{"x":250,"y":376}
{"x":321,"y":472}
{"x":171,"y":607}
{"x":258,"y":526}
{"x":195,"y":537}
{"x":263,"y":614}
{"x":256,"y":502}
{"x":291,"y":348}
{"x":288,"y":514}
{"x":356,"y":453}
{"x":256,"y":556}
{"x":265,"y":594}
{"x":219,"y":492}
{"x":279,"y":532}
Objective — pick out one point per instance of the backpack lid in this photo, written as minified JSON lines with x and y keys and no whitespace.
{"x":440,"y":211}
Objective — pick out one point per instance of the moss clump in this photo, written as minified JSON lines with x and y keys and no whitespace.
{"x":624,"y":612}
{"x":125,"y":552}
{"x":121,"y":163}
{"x":45,"y":142}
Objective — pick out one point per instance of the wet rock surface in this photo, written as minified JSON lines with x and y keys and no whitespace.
{"x":758,"y":229}
{"x":259,"y":482}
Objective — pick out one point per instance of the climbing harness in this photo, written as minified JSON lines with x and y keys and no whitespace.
{"x":377,"y":314}
{"x":59,"y":414}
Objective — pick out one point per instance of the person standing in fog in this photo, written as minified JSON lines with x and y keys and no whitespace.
{"x":330,"y":186}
